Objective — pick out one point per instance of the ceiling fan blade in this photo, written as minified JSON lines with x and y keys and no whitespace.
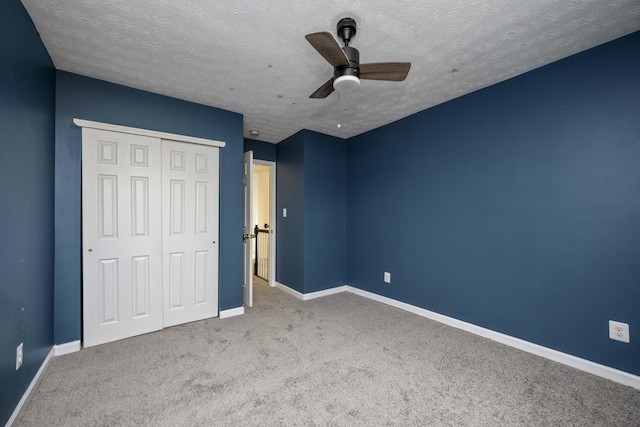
{"x":328,"y":47}
{"x":324,"y":90}
{"x":392,"y":71}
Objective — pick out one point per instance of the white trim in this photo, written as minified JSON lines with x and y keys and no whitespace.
{"x":557,"y":356}
{"x":312,"y":295}
{"x":273,"y":219}
{"x":145,"y":132}
{"x":290,"y":291}
{"x":225,"y":314}
{"x":66,"y":348}
{"x":324,"y":293}
{"x":29,"y":391}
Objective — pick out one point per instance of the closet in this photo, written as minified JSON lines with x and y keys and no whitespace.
{"x":149,"y":230}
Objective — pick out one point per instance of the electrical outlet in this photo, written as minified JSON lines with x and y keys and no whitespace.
{"x":19,"y":356}
{"x":618,"y":331}
{"x":387,"y":277}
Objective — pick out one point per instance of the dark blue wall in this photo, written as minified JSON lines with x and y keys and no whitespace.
{"x":515,"y":208}
{"x":325,"y":207}
{"x":86,"y":98}
{"x":261,"y":150}
{"x":290,"y":195}
{"x":27,"y":91}
{"x":311,"y":184}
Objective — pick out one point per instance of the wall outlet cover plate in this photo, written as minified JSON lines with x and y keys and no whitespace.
{"x":618,"y":331}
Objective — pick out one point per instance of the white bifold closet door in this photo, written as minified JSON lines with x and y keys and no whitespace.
{"x":150,"y":231}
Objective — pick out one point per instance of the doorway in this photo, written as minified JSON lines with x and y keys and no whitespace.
{"x":260,"y":225}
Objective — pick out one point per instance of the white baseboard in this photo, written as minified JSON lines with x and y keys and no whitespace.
{"x":324,"y":293}
{"x":66,"y":348}
{"x":290,"y":291}
{"x":311,"y":295}
{"x":32,"y":387}
{"x":225,"y":314}
{"x":557,"y":356}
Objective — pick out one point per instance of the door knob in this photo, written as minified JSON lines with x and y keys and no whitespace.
{"x":214,"y":242}
{"x":90,"y":250}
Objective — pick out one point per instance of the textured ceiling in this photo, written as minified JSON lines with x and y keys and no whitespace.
{"x":251,"y":57}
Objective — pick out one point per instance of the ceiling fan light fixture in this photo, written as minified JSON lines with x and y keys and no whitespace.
{"x":346,"y":83}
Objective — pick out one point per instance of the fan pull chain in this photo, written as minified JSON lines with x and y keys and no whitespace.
{"x":339,"y":112}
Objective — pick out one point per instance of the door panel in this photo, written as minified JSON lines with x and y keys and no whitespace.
{"x":140,"y":285}
{"x":139,"y":206}
{"x":247,"y":284}
{"x":108,"y":296}
{"x":121,"y":243}
{"x":190,"y":236}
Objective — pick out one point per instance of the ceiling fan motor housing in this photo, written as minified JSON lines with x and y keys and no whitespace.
{"x":353,"y":69}
{"x":347,"y":78}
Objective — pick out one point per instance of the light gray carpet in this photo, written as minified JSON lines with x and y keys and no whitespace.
{"x":338,"y":360}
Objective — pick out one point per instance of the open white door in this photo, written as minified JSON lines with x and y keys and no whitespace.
{"x":247,"y":232}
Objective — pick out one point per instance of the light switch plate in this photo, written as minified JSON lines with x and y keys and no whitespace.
{"x":19,"y":356}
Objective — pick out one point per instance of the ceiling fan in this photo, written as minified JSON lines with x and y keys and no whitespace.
{"x":347,"y":70}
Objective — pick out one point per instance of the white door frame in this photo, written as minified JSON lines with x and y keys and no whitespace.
{"x":272,"y":217}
